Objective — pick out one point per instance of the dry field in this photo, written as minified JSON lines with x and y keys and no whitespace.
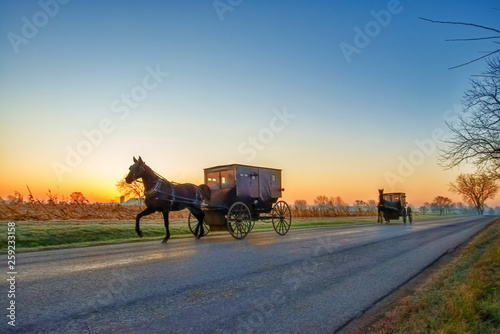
{"x":74,"y":211}
{"x":42,"y":211}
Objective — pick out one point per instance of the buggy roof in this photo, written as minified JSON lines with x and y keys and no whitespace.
{"x":394,"y":193}
{"x":236,"y":166}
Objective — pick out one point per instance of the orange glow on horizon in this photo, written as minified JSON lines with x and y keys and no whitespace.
{"x":104,"y":191}
{"x":301,"y":179}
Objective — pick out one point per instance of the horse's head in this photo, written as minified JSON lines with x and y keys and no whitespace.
{"x":381,"y":194}
{"x":136,"y":170}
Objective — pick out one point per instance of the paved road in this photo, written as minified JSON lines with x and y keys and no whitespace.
{"x":310,"y":281}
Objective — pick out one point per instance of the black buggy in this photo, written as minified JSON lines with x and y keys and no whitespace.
{"x":241,"y":195}
{"x":393,"y":206}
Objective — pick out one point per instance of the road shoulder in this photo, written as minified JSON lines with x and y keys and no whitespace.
{"x":373,"y":319}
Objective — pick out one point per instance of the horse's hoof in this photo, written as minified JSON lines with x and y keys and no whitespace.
{"x":164,"y":241}
{"x":139,"y":233}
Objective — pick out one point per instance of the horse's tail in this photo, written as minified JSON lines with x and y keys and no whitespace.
{"x":205,"y":192}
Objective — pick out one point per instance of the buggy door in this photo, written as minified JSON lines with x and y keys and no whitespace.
{"x":254,"y":182}
{"x":247,"y":183}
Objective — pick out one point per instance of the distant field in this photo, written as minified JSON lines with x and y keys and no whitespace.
{"x":33,"y":235}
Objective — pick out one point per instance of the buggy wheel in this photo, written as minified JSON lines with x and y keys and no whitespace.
{"x":281,"y":217}
{"x":192,"y":222}
{"x":410,"y":217}
{"x":239,"y":220}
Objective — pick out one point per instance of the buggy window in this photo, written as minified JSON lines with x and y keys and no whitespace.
{"x":274,"y":178}
{"x":213,"y":180}
{"x":395,"y":198}
{"x":227,"y":178}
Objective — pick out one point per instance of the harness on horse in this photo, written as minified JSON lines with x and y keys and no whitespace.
{"x":160,"y":191}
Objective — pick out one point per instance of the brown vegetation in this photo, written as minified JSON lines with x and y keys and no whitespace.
{"x":65,"y":211}
{"x":331,"y":212}
{"x":38,"y":210}
{"x":77,"y":207}
{"x":333,"y":207}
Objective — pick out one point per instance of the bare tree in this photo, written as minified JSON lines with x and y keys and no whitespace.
{"x":475,"y":137}
{"x":134,"y":189}
{"x":300,"y":204}
{"x":442,"y":204}
{"x":475,"y":189}
{"x":323,"y":202}
{"x":338,"y":202}
{"x":372,"y":205}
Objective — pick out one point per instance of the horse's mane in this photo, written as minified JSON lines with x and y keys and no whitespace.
{"x":160,"y":176}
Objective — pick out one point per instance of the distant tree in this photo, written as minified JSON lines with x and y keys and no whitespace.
{"x":359,"y":204}
{"x":424,"y":209}
{"x":300,"y":204}
{"x":338,"y":202}
{"x":323,"y":202}
{"x":78,"y":198}
{"x":461,"y":208}
{"x":372,"y":205}
{"x":475,"y":189}
{"x":134,"y":189}
{"x":452,"y":208}
{"x":442,"y":204}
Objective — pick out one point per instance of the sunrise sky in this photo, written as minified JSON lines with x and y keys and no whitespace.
{"x":345,"y":97}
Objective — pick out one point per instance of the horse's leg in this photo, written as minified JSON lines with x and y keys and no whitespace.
{"x":198,"y":213}
{"x":146,"y":212}
{"x":200,"y":216}
{"x":165,"y":219}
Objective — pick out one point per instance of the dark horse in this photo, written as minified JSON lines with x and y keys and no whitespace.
{"x":164,"y":196}
{"x":383,"y":208}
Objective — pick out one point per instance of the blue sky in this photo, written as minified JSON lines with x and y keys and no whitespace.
{"x":227,"y":80}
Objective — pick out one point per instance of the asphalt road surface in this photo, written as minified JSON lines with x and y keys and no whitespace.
{"x":309,"y":281}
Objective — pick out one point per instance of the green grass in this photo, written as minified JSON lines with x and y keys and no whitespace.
{"x":464,"y":297}
{"x":34,"y":235}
